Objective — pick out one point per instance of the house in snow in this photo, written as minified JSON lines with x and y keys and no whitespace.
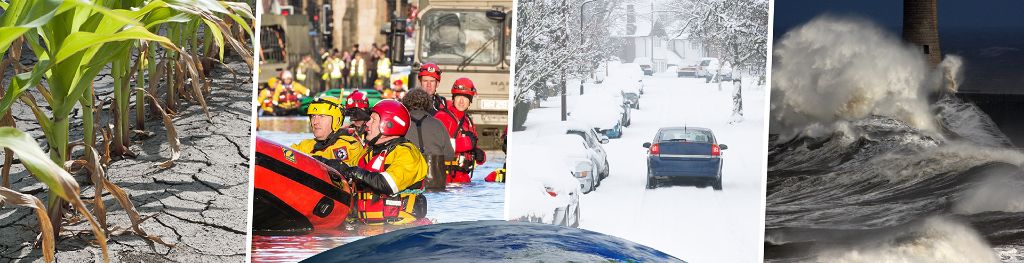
{"x":650,"y":40}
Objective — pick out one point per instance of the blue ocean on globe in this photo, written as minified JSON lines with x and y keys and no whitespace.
{"x":492,"y":240}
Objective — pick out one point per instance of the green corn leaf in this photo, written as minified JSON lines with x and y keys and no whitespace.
{"x":39,"y":164}
{"x":79,"y":41}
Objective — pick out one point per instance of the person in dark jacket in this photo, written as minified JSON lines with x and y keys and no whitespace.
{"x":426,"y":132}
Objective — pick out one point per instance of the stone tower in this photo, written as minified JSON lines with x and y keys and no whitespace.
{"x":921,"y":27}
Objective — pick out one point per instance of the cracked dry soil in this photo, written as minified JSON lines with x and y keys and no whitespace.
{"x":199,"y":204}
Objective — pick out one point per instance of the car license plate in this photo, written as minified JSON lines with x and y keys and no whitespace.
{"x":494,"y":104}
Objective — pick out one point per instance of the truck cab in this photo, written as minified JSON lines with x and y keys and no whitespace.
{"x":470,"y":39}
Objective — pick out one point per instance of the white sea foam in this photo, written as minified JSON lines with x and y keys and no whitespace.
{"x":934,"y":240}
{"x":834,"y":70}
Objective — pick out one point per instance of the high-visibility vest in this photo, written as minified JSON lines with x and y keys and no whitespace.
{"x":384,"y":68}
{"x":336,"y":66}
{"x":358,"y":68}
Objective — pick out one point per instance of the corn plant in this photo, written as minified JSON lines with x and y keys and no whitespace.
{"x":74,"y":40}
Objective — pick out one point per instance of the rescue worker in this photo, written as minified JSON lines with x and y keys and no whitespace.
{"x":329,"y":144}
{"x":430,"y":135}
{"x":498,"y":175}
{"x":385,"y":93}
{"x":427,"y":132}
{"x":430,"y":77}
{"x":333,"y":68}
{"x":304,"y":69}
{"x":389,"y":177}
{"x":357,"y":109}
{"x":266,"y":99}
{"x":357,"y":72}
{"x":398,"y":90}
{"x":383,"y":69}
{"x":461,"y":132}
{"x":287,"y":94}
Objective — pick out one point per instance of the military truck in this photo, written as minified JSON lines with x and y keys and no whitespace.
{"x":284,"y":40}
{"x":470,"y":39}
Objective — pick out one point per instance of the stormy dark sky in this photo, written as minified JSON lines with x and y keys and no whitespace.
{"x":953,"y":15}
{"x":988,"y":34}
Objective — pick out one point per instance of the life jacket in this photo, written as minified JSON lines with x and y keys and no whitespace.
{"x":266,"y":101}
{"x":463,"y":161}
{"x":439,"y":104}
{"x":401,"y":208}
{"x":497,"y":176}
{"x":287,"y":99}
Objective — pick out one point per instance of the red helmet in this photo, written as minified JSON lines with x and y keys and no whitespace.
{"x":357,"y":99}
{"x":430,"y":69}
{"x":394,"y":117}
{"x":463,"y":86}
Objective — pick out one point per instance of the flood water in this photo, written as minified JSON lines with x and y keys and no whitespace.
{"x":478,"y":200}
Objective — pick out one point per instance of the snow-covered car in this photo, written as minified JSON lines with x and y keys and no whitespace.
{"x":627,"y":115}
{"x":577,"y":155}
{"x":631,"y":99}
{"x":630,"y":88}
{"x":648,"y":70}
{"x":594,"y":142}
{"x":544,"y":187}
{"x":687,"y":71}
{"x":631,"y":71}
{"x":688,"y":155}
{"x":707,"y":67}
{"x":603,"y":110}
{"x":711,"y":69}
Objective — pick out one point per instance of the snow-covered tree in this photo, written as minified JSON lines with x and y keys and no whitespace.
{"x":540,"y":55}
{"x":548,"y":43}
{"x":736,"y":30}
{"x":548,"y":46}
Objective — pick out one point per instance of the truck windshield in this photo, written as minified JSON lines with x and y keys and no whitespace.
{"x":457,"y":37}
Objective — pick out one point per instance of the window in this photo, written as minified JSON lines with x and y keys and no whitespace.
{"x":272,"y":44}
{"x":685,"y":135}
{"x":453,"y":37}
{"x":926,"y":51}
{"x":583,"y":137}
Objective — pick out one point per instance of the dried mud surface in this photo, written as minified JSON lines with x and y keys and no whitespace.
{"x":199,"y":204}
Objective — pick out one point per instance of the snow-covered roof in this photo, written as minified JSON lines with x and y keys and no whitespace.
{"x":669,"y":56}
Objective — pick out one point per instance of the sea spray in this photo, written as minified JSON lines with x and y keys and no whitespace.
{"x":840,"y":69}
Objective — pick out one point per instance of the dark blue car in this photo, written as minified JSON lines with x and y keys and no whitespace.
{"x":686,"y":155}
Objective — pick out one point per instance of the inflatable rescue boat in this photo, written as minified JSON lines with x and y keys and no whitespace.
{"x":294,"y":193}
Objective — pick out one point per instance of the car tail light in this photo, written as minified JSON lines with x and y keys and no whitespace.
{"x":715,"y":151}
{"x":655,"y":149}
{"x":550,"y":191}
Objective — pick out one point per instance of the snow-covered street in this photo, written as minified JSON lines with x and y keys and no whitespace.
{"x":693,"y":224}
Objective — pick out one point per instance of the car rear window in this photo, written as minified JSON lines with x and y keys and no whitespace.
{"x":685,"y":135}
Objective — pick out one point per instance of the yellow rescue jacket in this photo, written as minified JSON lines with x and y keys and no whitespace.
{"x":407,"y":168}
